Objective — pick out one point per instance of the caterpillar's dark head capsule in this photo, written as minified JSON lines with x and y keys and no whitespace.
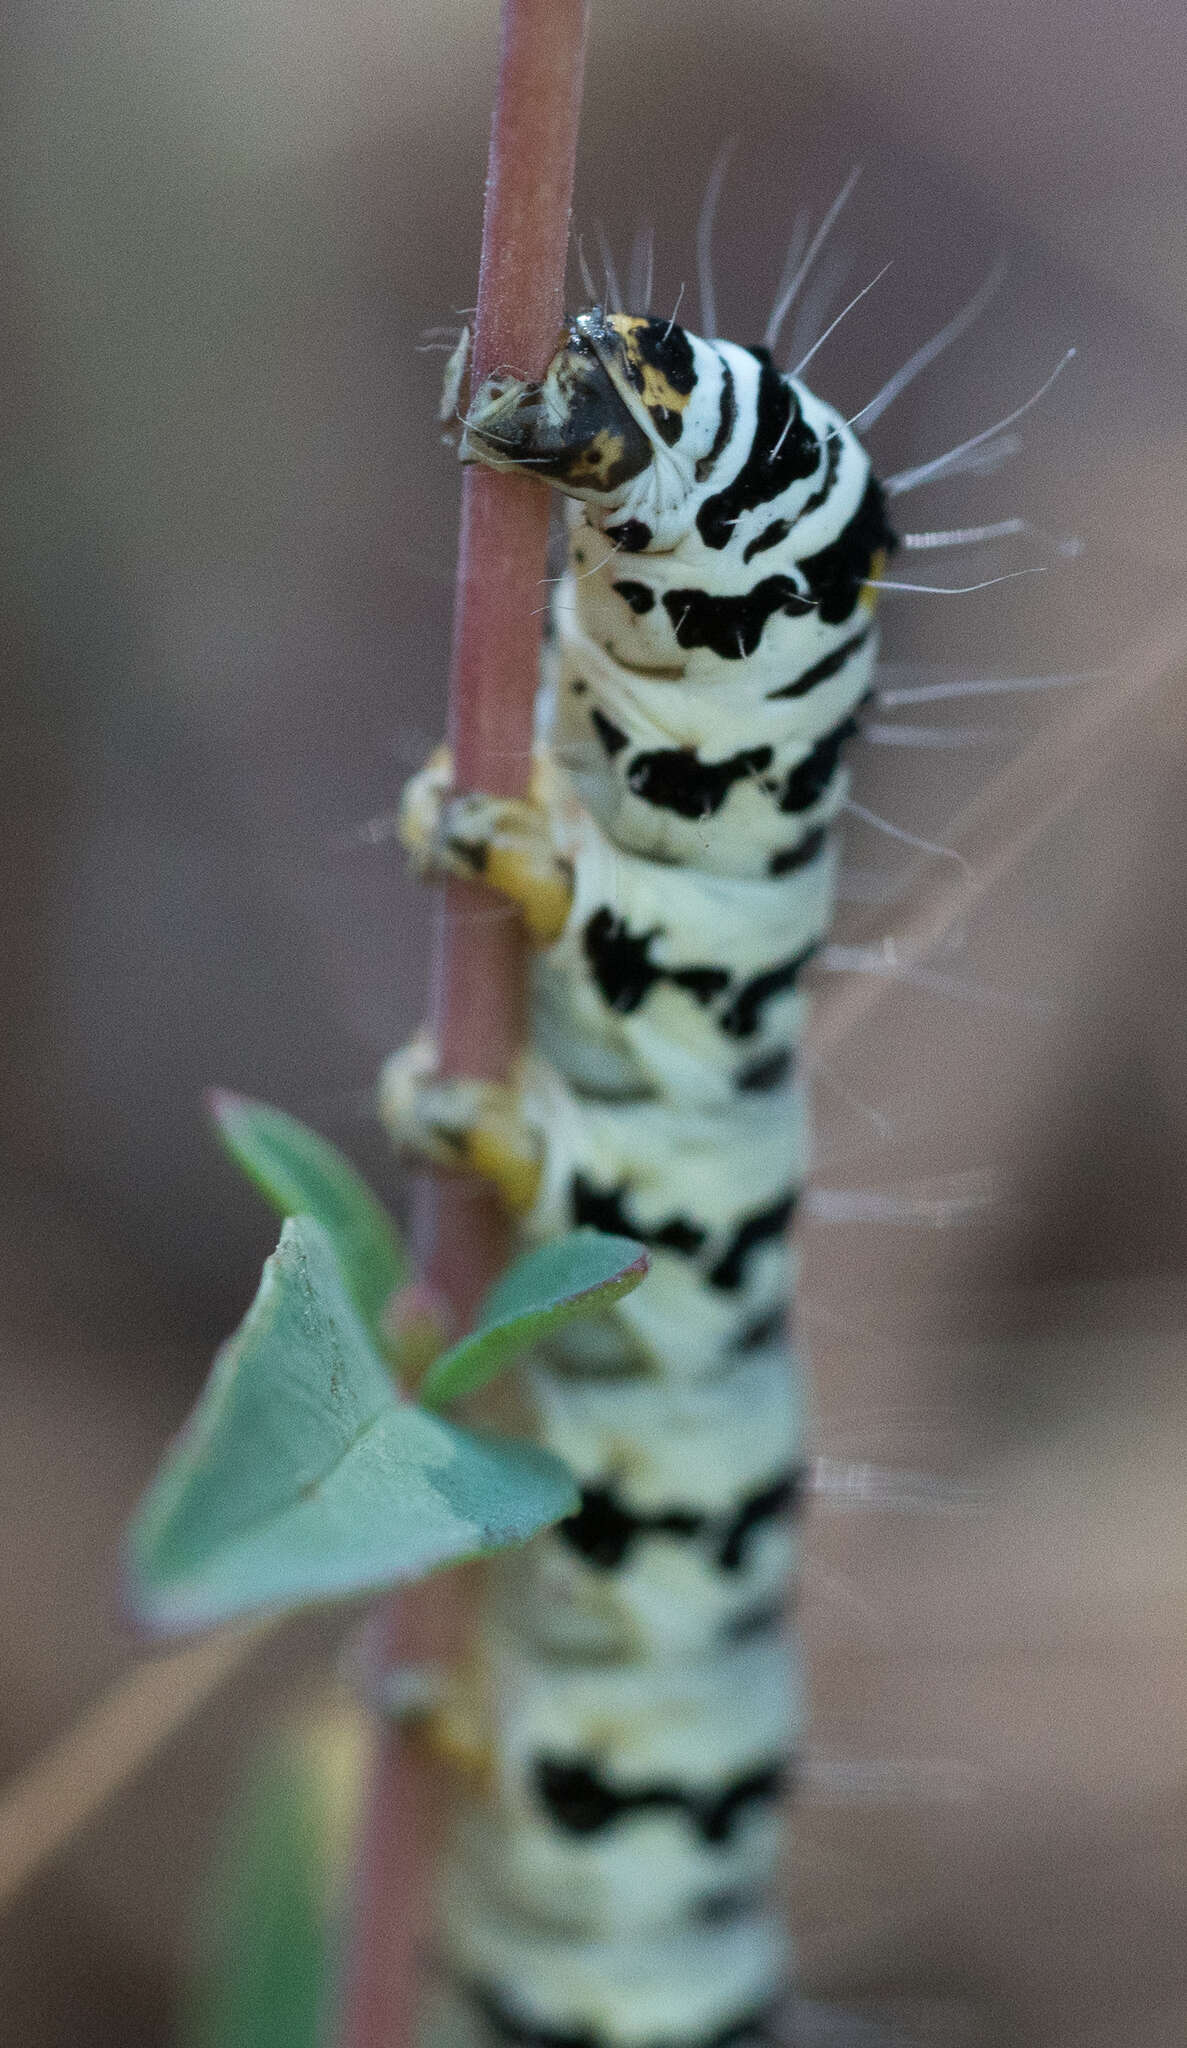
{"x":613,"y":399}
{"x":574,"y":427}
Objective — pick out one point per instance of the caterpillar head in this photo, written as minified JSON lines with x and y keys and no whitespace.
{"x":621,"y":415}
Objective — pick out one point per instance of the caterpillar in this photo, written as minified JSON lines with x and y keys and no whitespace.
{"x":611,"y":1882}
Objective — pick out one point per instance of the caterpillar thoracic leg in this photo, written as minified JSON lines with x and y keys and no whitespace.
{"x":476,"y":1125}
{"x":506,"y":842}
{"x":613,"y":1885}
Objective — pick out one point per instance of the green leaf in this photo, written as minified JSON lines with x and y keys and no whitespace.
{"x":303,"y":1477}
{"x":302,"y":1175}
{"x":577,"y":1275}
{"x":266,"y":1958}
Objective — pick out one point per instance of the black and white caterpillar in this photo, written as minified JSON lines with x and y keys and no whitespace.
{"x":612,"y":1880}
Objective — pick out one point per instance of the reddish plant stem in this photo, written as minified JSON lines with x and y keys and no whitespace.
{"x":478,"y":980}
{"x":478,"y":1000}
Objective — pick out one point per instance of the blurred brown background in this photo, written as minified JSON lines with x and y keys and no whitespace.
{"x":229,"y":527}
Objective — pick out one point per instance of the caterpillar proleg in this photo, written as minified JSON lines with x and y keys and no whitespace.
{"x":611,"y":1882}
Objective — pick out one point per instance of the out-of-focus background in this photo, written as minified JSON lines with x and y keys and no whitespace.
{"x":229,"y":524}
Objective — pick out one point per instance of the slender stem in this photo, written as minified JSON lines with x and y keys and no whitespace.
{"x":478,"y":979}
{"x":55,"y":1795}
{"x":478,"y":1008}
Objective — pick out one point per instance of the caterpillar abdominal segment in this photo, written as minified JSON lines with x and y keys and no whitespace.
{"x":613,"y":1885}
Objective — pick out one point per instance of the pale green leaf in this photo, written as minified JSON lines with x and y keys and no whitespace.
{"x":303,"y":1477}
{"x":302,"y":1175}
{"x":576,"y":1275}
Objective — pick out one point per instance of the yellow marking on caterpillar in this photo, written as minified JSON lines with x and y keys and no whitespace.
{"x":499,"y":1149}
{"x":461,"y":1123}
{"x":869,"y":596}
{"x":599,"y":460}
{"x":456,"y":1733}
{"x":653,"y":386}
{"x":540,"y":886}
{"x":504,"y":842}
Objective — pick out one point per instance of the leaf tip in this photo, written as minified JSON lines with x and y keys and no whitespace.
{"x":139,"y":1611}
{"x":224,"y":1106}
{"x":632,"y":1263}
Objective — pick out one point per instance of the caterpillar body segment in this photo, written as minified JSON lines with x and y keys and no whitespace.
{"x":725,"y":780}
{"x":517,"y":1983}
{"x":630,"y":993}
{"x":688,"y":1529}
{"x":711,"y":1194}
{"x":631,"y":1794}
{"x":612,"y":1885}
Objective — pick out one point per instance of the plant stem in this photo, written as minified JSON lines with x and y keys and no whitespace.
{"x":479,"y":1002}
{"x":478,"y":979}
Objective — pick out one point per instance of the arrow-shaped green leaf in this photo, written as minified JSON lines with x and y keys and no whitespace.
{"x":302,"y":1175}
{"x":572,"y":1276}
{"x":303,"y":1477}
